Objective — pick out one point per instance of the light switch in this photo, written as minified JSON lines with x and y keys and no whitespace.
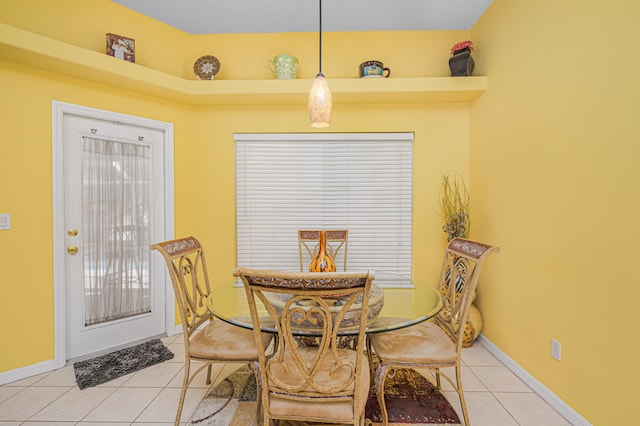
{"x":5,"y":221}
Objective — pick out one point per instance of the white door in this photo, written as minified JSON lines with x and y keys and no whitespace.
{"x":114,"y":293}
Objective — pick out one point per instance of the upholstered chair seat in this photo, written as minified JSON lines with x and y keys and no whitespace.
{"x":422,"y":343}
{"x":333,"y":406}
{"x":238,"y":343}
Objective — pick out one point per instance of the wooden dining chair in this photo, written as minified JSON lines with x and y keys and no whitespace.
{"x":323,"y":383}
{"x":337,"y":246}
{"x":438,"y":344}
{"x":217,"y":341}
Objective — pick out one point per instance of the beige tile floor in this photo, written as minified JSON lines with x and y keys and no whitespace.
{"x":495,"y":396}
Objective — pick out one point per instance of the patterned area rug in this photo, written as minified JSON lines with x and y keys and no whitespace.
{"x":104,"y":368}
{"x":410,"y":399}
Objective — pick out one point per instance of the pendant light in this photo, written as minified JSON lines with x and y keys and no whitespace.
{"x":320,"y":101}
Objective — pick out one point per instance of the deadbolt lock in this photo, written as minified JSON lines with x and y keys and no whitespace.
{"x":72,"y":232}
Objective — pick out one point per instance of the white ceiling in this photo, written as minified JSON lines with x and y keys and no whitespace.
{"x":273,"y":16}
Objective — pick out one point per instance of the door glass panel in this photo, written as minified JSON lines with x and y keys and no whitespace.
{"x":116,"y":229}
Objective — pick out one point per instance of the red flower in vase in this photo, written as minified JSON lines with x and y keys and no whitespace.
{"x":467,"y":44}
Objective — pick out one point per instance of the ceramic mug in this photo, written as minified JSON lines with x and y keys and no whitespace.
{"x":284,"y":66}
{"x":374,"y":69}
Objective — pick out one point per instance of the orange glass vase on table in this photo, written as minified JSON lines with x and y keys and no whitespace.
{"x":322,"y":262}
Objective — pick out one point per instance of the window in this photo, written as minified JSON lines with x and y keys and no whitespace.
{"x":361,"y":182}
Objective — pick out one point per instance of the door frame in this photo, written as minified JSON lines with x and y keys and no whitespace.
{"x":59,"y":111}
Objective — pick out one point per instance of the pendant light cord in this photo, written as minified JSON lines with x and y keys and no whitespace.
{"x":320,"y":32}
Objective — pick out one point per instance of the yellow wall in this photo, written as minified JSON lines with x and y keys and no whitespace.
{"x":25,"y":173}
{"x":204,"y":156}
{"x":204,"y":177}
{"x":550,"y":151}
{"x":85,"y":23}
{"x":555,"y":172}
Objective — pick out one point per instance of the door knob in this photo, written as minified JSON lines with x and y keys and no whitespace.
{"x":72,"y":232}
{"x":72,"y":249}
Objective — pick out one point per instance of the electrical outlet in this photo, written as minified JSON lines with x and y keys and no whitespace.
{"x":556,"y":349}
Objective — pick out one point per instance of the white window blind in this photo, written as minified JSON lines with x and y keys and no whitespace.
{"x":361,"y":182}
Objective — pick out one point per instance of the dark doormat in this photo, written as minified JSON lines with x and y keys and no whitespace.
{"x":104,"y":368}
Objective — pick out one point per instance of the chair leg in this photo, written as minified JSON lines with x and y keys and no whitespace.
{"x":259,"y":411}
{"x":372,"y":367}
{"x":183,"y":392}
{"x":266,"y":420}
{"x":463,"y":404}
{"x":381,"y":375}
{"x":209,"y":374}
{"x":261,"y":415}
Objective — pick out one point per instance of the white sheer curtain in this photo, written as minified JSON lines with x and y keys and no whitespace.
{"x":115,"y":224}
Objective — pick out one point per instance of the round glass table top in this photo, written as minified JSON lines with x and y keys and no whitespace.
{"x":405,"y":302}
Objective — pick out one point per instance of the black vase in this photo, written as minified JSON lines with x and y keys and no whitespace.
{"x":461,"y":63}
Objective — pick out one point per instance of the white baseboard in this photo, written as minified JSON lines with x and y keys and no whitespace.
{"x":25,"y":372}
{"x":177,"y":329}
{"x":541,"y":390}
{"x":48,"y":366}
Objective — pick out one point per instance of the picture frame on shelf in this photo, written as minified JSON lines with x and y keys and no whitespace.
{"x":121,"y":47}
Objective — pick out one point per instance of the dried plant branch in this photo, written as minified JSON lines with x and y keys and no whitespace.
{"x":455,"y":206}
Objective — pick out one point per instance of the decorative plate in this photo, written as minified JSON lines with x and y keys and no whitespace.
{"x":206,"y":67}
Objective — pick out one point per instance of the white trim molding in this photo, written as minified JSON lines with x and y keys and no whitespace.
{"x":541,"y":390}
{"x":59,"y":110}
{"x":11,"y":376}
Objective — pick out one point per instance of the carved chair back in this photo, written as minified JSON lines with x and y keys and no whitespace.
{"x":307,"y":303}
{"x":459,"y":275}
{"x":337,"y":246}
{"x":188,"y":270}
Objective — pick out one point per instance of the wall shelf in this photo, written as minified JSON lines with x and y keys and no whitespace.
{"x":38,"y":51}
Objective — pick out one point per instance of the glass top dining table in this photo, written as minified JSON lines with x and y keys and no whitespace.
{"x":406,"y":302}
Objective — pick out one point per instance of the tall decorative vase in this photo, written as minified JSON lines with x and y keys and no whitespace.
{"x":322,"y":262}
{"x":461,"y":63}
